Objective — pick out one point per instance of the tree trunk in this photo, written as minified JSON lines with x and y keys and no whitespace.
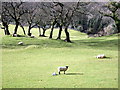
{"x":23,"y":29}
{"x":29,"y":34}
{"x":16,"y":27}
{"x":51,"y":33}
{"x":39,"y":31}
{"x":6,"y":28}
{"x":67,"y":35}
{"x":43,"y":32}
{"x":60,"y":31}
{"x":7,"y":31}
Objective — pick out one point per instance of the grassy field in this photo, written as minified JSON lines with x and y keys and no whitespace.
{"x":32,"y":65}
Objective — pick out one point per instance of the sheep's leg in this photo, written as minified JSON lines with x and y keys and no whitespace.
{"x":64,"y":72}
{"x":59,"y":72}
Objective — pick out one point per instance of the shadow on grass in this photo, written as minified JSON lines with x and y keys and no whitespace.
{"x":94,"y":43}
{"x":98,"y":43}
{"x":107,"y":57}
{"x":74,"y":73}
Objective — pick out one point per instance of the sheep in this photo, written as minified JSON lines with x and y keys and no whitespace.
{"x":20,"y":43}
{"x":54,"y":74}
{"x":101,"y":56}
{"x":32,"y":36}
{"x":62,"y":69}
{"x":16,"y":35}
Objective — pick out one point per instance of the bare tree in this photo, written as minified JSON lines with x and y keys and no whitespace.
{"x":15,"y":10}
{"x":43,"y":22}
{"x":31,"y":16}
{"x":50,"y":9}
{"x":59,"y":9}
{"x":71,"y":9}
{"x":5,"y":21}
{"x":43,"y":19}
{"x":62,"y":14}
{"x":22,"y":26}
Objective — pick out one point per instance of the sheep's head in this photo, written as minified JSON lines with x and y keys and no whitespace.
{"x":66,"y":66}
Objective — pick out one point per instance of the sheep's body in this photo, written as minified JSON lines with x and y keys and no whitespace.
{"x":32,"y":36}
{"x":15,"y":35}
{"x":20,"y":43}
{"x":54,"y":74}
{"x":62,"y":69}
{"x":101,"y":56}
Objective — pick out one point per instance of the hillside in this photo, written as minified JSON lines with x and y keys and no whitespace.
{"x":32,"y":65}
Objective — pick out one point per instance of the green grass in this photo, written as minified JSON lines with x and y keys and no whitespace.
{"x":32,"y":65}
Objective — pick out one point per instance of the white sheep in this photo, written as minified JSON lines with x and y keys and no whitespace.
{"x":54,"y":74}
{"x":20,"y":43}
{"x":101,"y":56}
{"x":62,"y":69}
{"x":15,"y":35}
{"x":32,"y":36}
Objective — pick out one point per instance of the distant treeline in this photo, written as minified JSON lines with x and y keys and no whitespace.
{"x":92,"y":18}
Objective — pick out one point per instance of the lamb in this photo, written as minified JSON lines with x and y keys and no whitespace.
{"x":62,"y":69}
{"x":54,"y":74}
